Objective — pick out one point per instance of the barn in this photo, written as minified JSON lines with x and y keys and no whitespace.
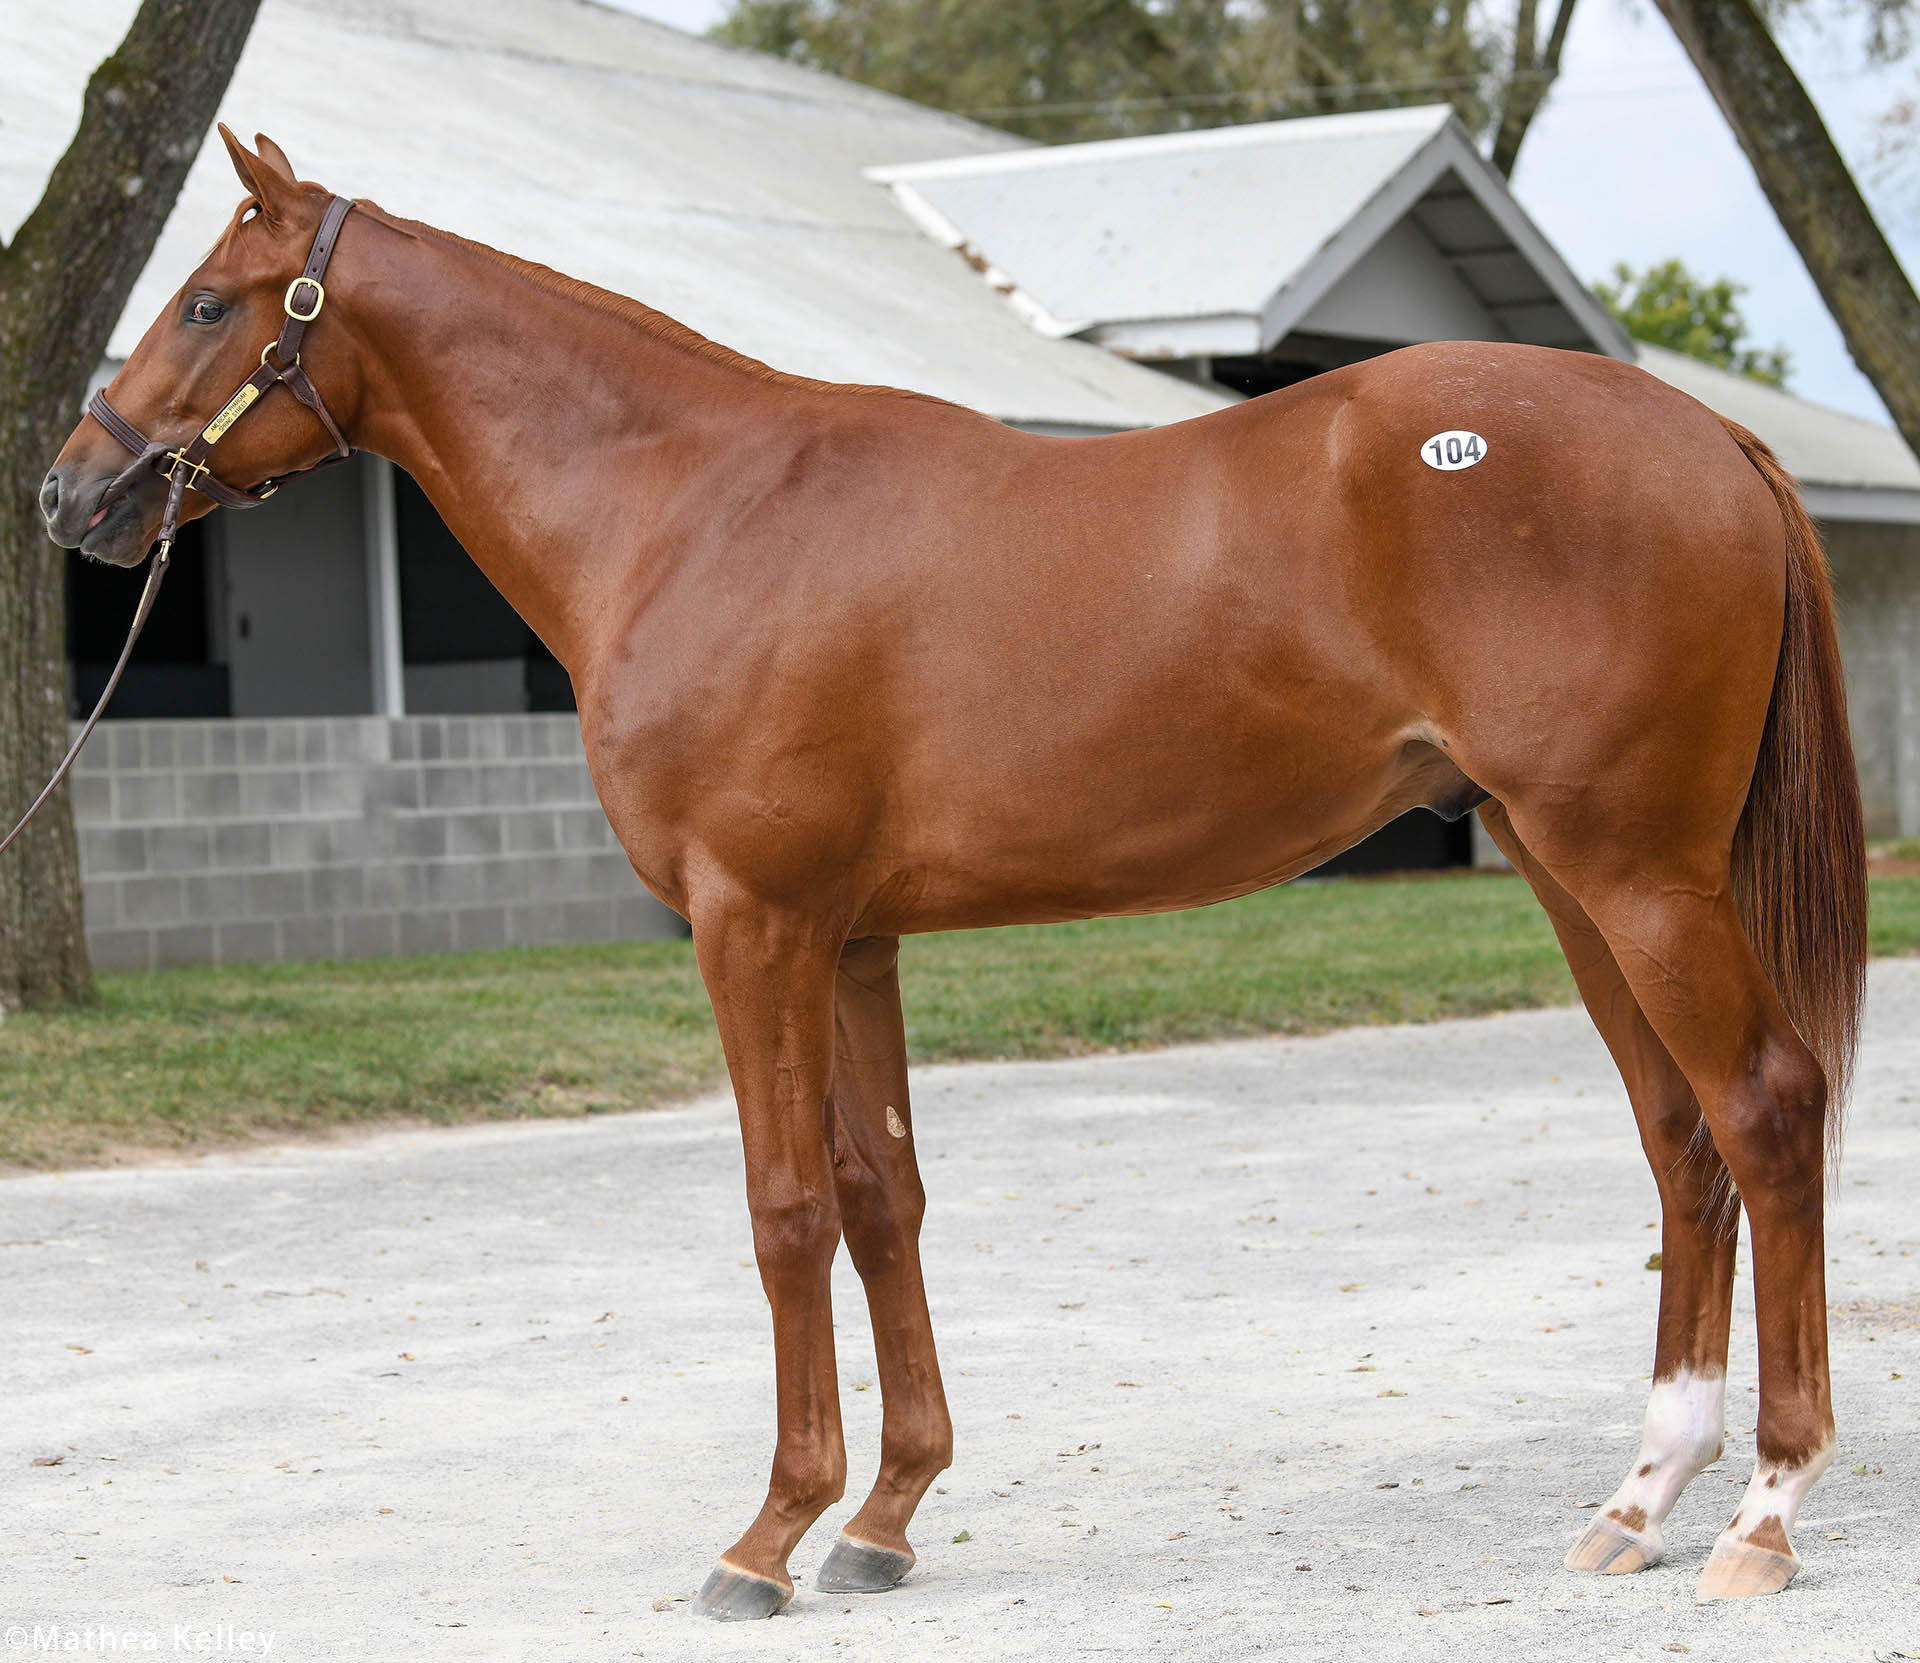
{"x":337,"y":740}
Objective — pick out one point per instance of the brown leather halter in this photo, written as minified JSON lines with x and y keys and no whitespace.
{"x":185,"y":466}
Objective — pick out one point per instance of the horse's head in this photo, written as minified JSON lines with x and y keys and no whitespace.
{"x":215,"y":333}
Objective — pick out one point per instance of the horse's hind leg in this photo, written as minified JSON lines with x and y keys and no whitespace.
{"x":1684,"y":1422}
{"x":1668,"y":914}
{"x":881,"y":1203}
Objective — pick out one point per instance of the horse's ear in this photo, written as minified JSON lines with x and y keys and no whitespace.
{"x":267,"y":186}
{"x":274,"y":156}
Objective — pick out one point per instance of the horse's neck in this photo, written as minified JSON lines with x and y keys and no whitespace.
{"x":550,"y":433}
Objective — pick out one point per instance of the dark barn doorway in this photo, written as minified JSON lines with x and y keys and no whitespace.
{"x":177,"y":669}
{"x":465,"y":649}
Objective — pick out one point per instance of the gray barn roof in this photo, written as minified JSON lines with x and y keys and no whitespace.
{"x":721,"y":186}
{"x":1222,"y":242}
{"x":1849,"y":468}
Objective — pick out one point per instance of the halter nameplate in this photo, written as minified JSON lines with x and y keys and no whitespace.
{"x":236,"y":408}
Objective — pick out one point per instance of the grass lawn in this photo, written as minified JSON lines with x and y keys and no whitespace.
{"x":190,"y":1059}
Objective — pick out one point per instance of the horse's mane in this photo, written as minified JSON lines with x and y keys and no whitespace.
{"x":656,"y":324}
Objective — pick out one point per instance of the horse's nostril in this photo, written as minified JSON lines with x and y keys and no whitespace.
{"x":50,"y":496}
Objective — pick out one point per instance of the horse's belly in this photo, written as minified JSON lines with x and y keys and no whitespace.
{"x":1155,"y":829}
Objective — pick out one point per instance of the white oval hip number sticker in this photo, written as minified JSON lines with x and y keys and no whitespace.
{"x":1453,"y":450}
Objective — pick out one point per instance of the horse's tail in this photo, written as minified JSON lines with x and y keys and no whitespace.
{"x":1799,"y":855}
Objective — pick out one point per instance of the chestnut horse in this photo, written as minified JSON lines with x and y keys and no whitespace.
{"x":854,"y":663}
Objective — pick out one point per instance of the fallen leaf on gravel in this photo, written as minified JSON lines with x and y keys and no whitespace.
{"x":1136,"y":1384}
{"x":230,"y":1579}
{"x":87,"y":1351}
{"x":1676,"y":1646}
{"x":1177,"y":1536}
{"x":1580,"y":1504}
{"x":604,"y":1316}
{"x":408,"y":1357}
{"x":964,"y":1536}
{"x":1390,"y":1392}
{"x":1859,"y":1471}
{"x":1498,"y":1599}
{"x":1392,"y":1486}
{"x":48,"y":1460}
{"x":1351,"y":1287}
{"x":386,"y":1510}
{"x":1653,"y":1261}
{"x":1836,"y":1535}
{"x":1163,"y":1605}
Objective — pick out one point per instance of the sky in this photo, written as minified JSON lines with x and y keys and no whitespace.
{"x":1631,"y":160}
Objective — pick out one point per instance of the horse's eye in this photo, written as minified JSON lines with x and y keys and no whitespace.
{"x":206,"y":311}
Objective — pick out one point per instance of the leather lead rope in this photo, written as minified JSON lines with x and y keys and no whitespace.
{"x":184,"y":468}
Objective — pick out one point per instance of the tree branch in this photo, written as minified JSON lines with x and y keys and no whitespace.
{"x":1812,"y":193}
{"x":1532,"y":76}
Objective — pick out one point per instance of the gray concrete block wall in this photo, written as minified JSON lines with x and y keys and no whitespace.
{"x":1876,"y":584}
{"x":347,"y":837}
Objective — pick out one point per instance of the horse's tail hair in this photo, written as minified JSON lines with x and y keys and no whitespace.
{"x":1799,"y":853}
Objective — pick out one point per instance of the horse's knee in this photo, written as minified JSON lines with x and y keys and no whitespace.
{"x":880,"y":1212}
{"x":881,"y":1219}
{"x":794,"y":1227}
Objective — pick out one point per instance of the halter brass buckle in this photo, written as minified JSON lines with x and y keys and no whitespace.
{"x":178,"y":460}
{"x":319,"y":299}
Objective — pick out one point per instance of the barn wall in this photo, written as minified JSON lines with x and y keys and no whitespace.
{"x":235,"y":841}
{"x":1876,"y":571}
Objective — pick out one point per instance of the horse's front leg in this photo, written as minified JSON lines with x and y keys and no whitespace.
{"x":881,"y":1206}
{"x":771,"y":979}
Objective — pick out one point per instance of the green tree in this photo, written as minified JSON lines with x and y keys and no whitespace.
{"x":64,"y":280}
{"x":1060,"y":70}
{"x":1668,"y":306}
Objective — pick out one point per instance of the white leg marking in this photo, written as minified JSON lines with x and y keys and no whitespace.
{"x":1754,"y":1554}
{"x":1683,"y":1433}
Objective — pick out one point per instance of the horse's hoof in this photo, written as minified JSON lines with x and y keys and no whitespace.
{"x":857,"y":1567}
{"x":732,"y":1596}
{"x":1607,"y":1547}
{"x":1742,"y":1568}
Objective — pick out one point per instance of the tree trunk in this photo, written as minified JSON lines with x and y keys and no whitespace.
{"x":1818,"y":204}
{"x":1533,"y":73}
{"x":63,"y":284}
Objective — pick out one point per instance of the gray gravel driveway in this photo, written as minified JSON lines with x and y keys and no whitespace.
{"x":1311,"y":1349}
